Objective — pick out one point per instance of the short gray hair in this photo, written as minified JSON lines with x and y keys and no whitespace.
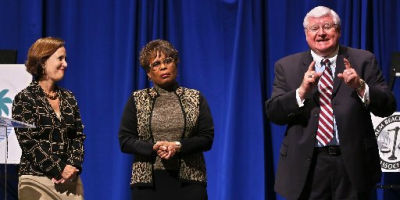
{"x":321,"y":11}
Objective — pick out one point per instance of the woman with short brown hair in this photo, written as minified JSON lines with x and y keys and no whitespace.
{"x":52,"y":153}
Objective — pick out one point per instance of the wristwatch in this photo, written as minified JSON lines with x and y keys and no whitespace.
{"x":362,"y":85}
{"x":179,"y":145}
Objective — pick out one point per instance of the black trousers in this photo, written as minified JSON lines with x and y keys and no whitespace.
{"x":167,"y":186}
{"x":328,"y":179}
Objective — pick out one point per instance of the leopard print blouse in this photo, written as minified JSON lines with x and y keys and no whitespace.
{"x":54,"y":143}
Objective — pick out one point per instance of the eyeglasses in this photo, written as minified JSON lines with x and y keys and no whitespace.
{"x":156,"y":65}
{"x":326,"y":27}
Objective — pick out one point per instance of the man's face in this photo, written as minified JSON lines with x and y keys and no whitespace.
{"x":322,"y":35}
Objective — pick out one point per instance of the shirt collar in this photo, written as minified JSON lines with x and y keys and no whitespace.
{"x":332,"y":58}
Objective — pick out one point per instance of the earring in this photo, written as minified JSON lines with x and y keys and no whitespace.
{"x":43,"y":70}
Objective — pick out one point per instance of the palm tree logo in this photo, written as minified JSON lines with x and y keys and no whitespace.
{"x":3,"y":101}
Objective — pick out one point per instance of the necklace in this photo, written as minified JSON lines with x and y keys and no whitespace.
{"x":51,"y":97}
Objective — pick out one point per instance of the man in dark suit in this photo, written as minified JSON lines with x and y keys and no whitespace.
{"x":325,"y":96}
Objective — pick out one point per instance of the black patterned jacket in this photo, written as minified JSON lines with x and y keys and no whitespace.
{"x":135,"y":135}
{"x":53,"y":144}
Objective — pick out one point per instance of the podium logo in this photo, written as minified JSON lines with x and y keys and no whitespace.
{"x":4,"y":109}
{"x":3,"y":102}
{"x":387,"y":134}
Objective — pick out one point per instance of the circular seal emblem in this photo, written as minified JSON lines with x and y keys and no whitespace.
{"x":388,"y":136}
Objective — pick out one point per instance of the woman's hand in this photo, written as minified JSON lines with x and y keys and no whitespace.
{"x":55,"y":181}
{"x":69,"y":172}
{"x":165,"y":149}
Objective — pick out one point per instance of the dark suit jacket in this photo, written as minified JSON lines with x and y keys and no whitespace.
{"x":356,"y":134}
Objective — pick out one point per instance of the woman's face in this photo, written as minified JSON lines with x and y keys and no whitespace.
{"x":55,"y":65}
{"x":162,"y":70}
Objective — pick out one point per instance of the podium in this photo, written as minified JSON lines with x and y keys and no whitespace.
{"x":4,"y":124}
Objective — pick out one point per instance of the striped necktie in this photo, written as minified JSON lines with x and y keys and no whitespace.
{"x":325,"y":88}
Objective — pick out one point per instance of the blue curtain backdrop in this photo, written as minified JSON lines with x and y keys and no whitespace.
{"x":227,"y":50}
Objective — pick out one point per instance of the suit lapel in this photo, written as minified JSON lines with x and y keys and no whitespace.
{"x":306,"y":62}
{"x":337,"y":82}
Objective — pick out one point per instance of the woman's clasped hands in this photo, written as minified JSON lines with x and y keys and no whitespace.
{"x":165,"y":149}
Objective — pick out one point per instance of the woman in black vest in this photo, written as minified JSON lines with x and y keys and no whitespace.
{"x":167,"y":128}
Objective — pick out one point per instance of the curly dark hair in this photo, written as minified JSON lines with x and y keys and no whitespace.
{"x":39,"y":52}
{"x":149,"y":52}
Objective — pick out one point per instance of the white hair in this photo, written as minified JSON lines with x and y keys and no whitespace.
{"x":322,"y":11}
